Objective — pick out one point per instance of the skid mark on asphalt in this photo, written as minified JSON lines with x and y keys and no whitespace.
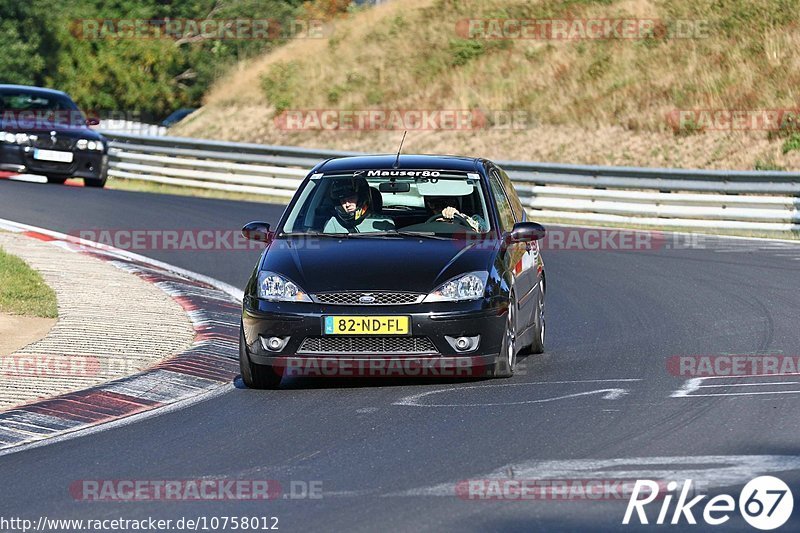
{"x":757,"y":385}
{"x":613,"y":393}
{"x":705,"y":471}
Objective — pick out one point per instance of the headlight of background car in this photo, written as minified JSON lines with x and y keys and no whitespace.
{"x":469,"y":286}
{"x":14,"y":138}
{"x":272,"y":286}
{"x":84,"y":144}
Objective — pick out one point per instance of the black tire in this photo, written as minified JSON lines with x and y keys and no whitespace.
{"x":56,"y":179}
{"x":97,"y":183}
{"x":507,"y":358}
{"x":539,"y":329}
{"x":255,"y":376}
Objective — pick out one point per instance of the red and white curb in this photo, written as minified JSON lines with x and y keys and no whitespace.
{"x":210,"y":363}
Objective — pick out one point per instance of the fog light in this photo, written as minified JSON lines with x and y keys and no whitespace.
{"x":274,"y":344}
{"x":464,"y":344}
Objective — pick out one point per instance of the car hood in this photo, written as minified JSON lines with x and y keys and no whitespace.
{"x":372,"y":264}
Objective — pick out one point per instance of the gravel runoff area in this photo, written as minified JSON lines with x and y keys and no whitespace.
{"x":111,"y":324}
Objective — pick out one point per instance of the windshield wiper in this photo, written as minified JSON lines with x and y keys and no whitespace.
{"x":312,"y":234}
{"x":339,"y":235}
{"x":428,"y":234}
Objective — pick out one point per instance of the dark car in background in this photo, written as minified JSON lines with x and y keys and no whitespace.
{"x":365,"y":266}
{"x":177,"y":116}
{"x":42,"y":131}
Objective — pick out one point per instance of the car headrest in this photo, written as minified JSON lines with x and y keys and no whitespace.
{"x":377,"y":199}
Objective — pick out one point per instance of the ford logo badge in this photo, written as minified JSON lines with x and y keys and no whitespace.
{"x":366,"y":299}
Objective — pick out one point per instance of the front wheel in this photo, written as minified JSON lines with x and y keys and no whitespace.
{"x":538,"y":337}
{"x":507,"y":358}
{"x":255,"y":376}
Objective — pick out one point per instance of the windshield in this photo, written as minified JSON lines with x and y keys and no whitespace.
{"x":390,"y":202}
{"x":35,"y":110}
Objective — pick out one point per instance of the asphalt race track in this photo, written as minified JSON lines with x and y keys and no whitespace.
{"x":598,"y":404}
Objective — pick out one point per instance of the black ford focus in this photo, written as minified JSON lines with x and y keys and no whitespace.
{"x":415,"y":266}
{"x":42,"y":131}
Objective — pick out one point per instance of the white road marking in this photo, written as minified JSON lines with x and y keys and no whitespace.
{"x":692,"y":385}
{"x":608,"y":394}
{"x":758,"y":393}
{"x":748,"y":384}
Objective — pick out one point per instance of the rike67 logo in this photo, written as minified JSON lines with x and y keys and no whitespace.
{"x":765,"y":503}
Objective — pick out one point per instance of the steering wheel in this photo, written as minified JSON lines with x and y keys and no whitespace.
{"x":457,"y":217}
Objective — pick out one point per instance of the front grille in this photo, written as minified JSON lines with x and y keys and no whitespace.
{"x":45,"y":142}
{"x":367,"y":345}
{"x":362,"y":298}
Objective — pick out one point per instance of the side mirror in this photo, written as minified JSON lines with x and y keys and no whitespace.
{"x":92,"y":121}
{"x":526,"y":232}
{"x":257,"y":231}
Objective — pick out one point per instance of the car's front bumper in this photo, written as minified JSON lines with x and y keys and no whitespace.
{"x":434,"y":322}
{"x":85,"y":164}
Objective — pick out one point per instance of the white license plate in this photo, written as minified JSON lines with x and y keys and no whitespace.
{"x":52,"y":155}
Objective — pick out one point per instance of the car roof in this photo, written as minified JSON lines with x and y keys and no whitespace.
{"x":32,"y":89}
{"x":410,"y":161}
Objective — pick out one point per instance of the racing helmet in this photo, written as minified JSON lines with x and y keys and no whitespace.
{"x":347,"y":188}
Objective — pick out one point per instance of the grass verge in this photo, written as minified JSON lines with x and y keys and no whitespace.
{"x":23,"y":291}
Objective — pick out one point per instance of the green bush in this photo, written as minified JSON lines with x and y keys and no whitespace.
{"x":43,"y":43}
{"x":791,"y":144}
{"x":279,"y":85}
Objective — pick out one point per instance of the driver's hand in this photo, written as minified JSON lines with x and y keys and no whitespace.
{"x":473,"y":224}
{"x":449,"y":212}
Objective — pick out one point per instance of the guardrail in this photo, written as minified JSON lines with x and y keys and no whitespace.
{"x":748,"y":200}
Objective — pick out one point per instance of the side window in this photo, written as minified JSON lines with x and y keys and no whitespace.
{"x":516,"y":204}
{"x":504,"y":212}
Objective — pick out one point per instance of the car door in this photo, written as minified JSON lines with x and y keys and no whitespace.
{"x":519,"y":259}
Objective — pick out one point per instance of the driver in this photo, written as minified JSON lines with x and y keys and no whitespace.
{"x":353,"y":210}
{"x":440,"y":205}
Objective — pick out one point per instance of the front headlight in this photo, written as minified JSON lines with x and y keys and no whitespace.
{"x":272,"y":286}
{"x":84,"y":144}
{"x":14,"y":138}
{"x":469,"y":286}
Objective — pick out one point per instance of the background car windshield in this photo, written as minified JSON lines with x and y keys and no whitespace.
{"x":394,"y":204}
{"x":53,"y":108}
